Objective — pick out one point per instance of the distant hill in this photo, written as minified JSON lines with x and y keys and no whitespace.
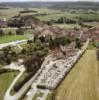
{"x":3,"y":6}
{"x":55,"y":5}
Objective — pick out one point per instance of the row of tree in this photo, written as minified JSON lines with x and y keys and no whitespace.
{"x":62,"y":20}
{"x":19,"y":31}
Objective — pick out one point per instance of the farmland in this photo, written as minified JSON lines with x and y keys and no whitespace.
{"x":70,"y":15}
{"x":54,"y":47}
{"x":96,"y":24}
{"x":53,"y":14}
{"x":67,"y":26}
{"x":10,"y":12}
{"x":80,"y":84}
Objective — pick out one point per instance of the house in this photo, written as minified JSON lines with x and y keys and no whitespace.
{"x":3,"y":23}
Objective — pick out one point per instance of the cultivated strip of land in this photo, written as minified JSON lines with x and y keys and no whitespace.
{"x":80,"y":84}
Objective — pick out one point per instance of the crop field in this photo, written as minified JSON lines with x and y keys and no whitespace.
{"x":45,"y":10}
{"x":69,"y":15}
{"x":56,"y":16}
{"x":96,"y":24}
{"x":82,"y":83}
{"x":7,"y":13}
{"x":67,"y":26}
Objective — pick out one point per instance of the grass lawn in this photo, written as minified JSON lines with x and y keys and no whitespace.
{"x":23,"y":45}
{"x":8,"y":38}
{"x":19,"y":80}
{"x":5,"y":81}
{"x":82,"y":83}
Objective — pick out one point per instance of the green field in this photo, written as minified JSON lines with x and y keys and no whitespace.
{"x":8,"y":38}
{"x":67,"y":26}
{"x":82,"y":83}
{"x":5,"y":81}
{"x":8,"y":13}
{"x":19,"y":81}
{"x":56,"y":16}
{"x":45,"y":10}
{"x":69,"y":15}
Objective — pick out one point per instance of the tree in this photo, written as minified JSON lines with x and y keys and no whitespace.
{"x":10,"y":33}
{"x":93,"y":42}
{"x":49,"y":23}
{"x":78,"y":44}
{"x":8,"y":59}
{"x":1,"y":32}
{"x":23,"y":51}
{"x":19,"y":31}
{"x":97,"y":53}
{"x":32,"y":63}
{"x":30,"y":48}
{"x":9,"y":55}
{"x":13,"y":56}
{"x":16,"y":22}
{"x":42,"y":39}
{"x":59,"y":41}
{"x":38,"y":44}
{"x":36,"y":36}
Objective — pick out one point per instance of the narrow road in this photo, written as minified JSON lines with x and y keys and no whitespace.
{"x":82,"y":82}
{"x":14,"y":67}
{"x":14,"y":43}
{"x":26,"y":86}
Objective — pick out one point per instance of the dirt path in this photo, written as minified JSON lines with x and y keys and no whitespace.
{"x":82,"y":82}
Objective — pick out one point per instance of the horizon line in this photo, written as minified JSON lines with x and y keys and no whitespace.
{"x":43,"y":1}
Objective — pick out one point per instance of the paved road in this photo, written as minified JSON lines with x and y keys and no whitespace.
{"x":14,"y":67}
{"x":12,"y":43}
{"x":14,"y":28}
{"x":25,"y":87}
